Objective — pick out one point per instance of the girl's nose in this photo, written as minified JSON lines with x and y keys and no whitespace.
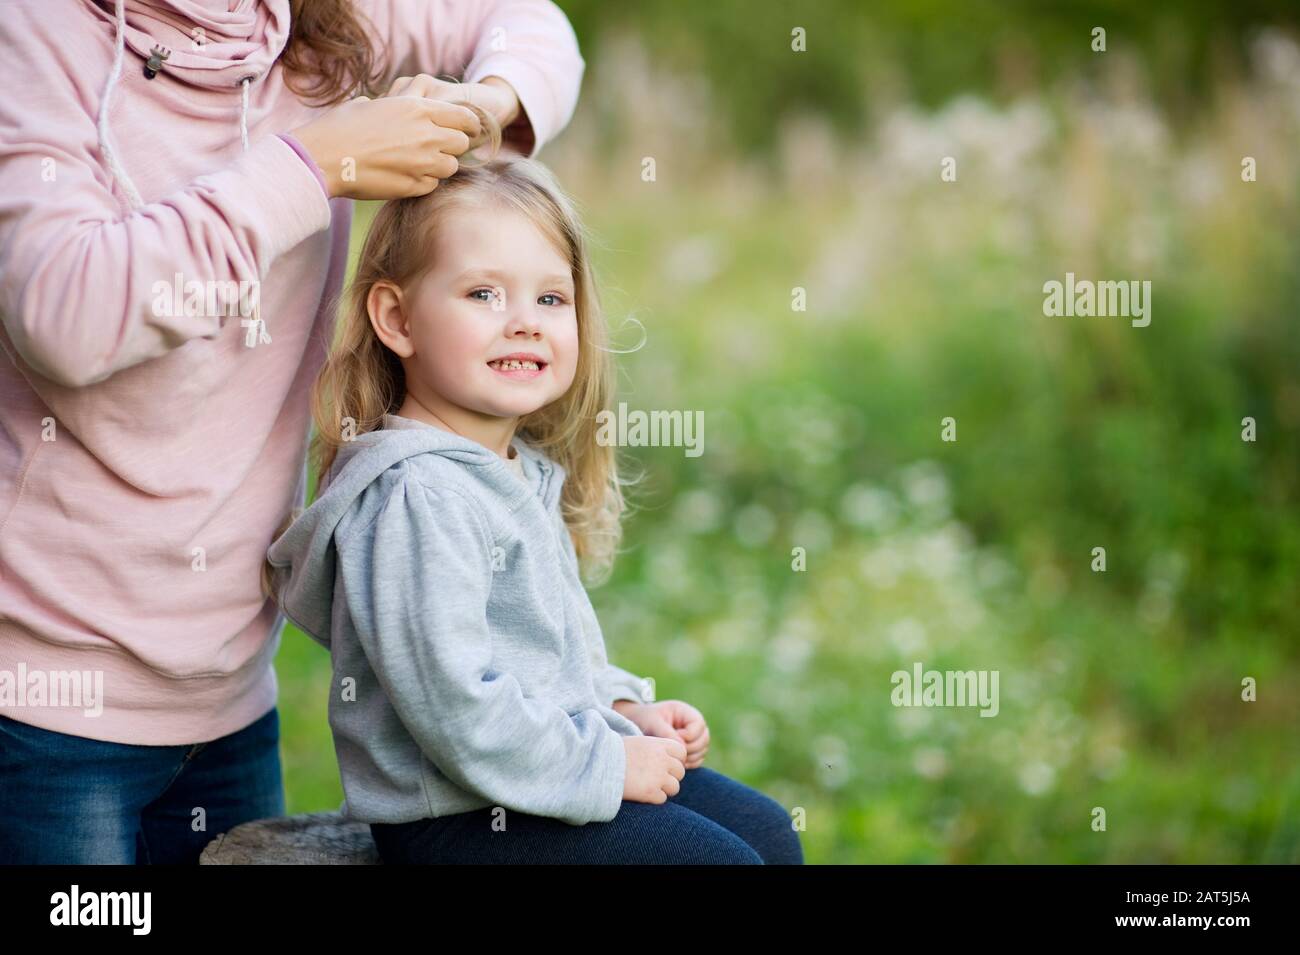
{"x":524,"y":319}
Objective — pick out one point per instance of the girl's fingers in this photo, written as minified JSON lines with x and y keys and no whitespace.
{"x":700,"y":735}
{"x":691,"y":727}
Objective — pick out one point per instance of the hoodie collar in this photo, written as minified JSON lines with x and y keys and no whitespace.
{"x":211,"y":43}
{"x":403,"y":437}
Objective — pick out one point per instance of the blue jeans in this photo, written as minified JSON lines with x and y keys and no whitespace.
{"x":67,"y":799}
{"x":711,"y":820}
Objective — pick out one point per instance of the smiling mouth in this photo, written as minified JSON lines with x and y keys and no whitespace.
{"x":517,"y":367}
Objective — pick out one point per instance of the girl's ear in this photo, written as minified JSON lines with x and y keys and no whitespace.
{"x":385,"y":306}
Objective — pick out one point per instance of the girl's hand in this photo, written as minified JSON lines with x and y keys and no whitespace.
{"x":389,"y":148}
{"x":672,"y":719}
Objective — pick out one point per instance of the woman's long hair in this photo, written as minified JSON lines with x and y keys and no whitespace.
{"x":329,"y":56}
{"x":362,"y":380}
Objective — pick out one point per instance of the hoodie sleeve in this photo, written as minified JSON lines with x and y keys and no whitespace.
{"x":416,"y":581}
{"x":622,"y":685}
{"x":528,"y":43}
{"x":77,"y":273}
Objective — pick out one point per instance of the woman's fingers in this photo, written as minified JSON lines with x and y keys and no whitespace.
{"x":442,"y":166}
{"x":422,"y":186}
{"x":424,"y":86}
{"x":392,"y":146}
{"x":453,"y":142}
{"x":452,"y":116}
{"x":421,"y":84}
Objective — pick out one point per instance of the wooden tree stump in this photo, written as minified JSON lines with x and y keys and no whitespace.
{"x":322,"y":838}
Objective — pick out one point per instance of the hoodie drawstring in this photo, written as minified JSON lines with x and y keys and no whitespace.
{"x":257,"y":333}
{"x":243,"y":111}
{"x":115,"y":167}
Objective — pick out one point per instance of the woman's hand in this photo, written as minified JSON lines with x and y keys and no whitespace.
{"x":493,"y":95}
{"x":671,"y":719}
{"x":389,"y":148}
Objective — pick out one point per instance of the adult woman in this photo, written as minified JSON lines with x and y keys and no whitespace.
{"x":164,"y":152}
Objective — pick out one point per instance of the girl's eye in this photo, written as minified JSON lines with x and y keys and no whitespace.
{"x":559,"y":300}
{"x":486,"y":291}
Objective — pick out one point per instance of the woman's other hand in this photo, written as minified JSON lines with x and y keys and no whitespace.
{"x":493,"y":95}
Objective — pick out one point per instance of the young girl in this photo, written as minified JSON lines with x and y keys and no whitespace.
{"x":475,"y":716}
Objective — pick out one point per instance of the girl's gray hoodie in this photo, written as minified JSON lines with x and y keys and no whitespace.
{"x":469,"y":669}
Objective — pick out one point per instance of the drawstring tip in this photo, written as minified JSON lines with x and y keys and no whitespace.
{"x":256,"y":334}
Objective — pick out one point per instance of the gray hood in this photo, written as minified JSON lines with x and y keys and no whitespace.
{"x":303,"y":558}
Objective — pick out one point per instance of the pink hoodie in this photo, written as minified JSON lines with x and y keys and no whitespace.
{"x":147,"y":452}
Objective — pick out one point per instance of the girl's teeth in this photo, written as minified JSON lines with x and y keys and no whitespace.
{"x":515,"y":363}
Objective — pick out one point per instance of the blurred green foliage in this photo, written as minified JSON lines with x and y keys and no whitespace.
{"x":927,"y":50}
